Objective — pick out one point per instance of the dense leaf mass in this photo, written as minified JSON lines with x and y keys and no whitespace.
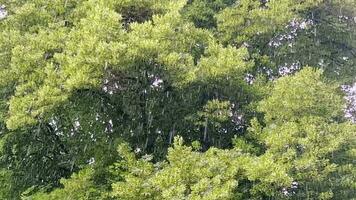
{"x":177,"y":99}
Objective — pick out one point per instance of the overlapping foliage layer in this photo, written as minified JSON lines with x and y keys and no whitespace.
{"x":198,"y":99}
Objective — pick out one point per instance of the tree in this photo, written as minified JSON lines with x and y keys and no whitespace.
{"x":304,"y":130}
{"x":231,"y":77}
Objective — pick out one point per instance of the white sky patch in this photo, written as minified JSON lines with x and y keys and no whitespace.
{"x":137,"y":150}
{"x":350,"y":110}
{"x":294,"y":26}
{"x":76,"y":125}
{"x":3,"y":12}
{"x":157,"y":83}
{"x":109,"y":127}
{"x":286,"y":70}
{"x":54,"y":124}
{"x":249,"y":78}
{"x":91,"y":161}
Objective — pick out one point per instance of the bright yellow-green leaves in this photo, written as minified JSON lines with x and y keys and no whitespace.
{"x":88,"y":73}
{"x":48,"y":64}
{"x":139,"y":171}
{"x":75,"y":51}
{"x":186,"y":175}
{"x":221,"y":62}
{"x":298,"y":152}
{"x":301,"y":133}
{"x":79,"y":186}
{"x":305,"y":94}
{"x":78,"y":48}
{"x":250,"y":18}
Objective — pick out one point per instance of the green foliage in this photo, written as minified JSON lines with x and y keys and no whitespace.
{"x":248,"y":19}
{"x":94,"y":93}
{"x":79,"y":186}
{"x":304,"y":94}
{"x":202,"y":12}
{"x":7,"y":191}
{"x":188,"y":174}
{"x":301,"y":132}
{"x":324,"y":38}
